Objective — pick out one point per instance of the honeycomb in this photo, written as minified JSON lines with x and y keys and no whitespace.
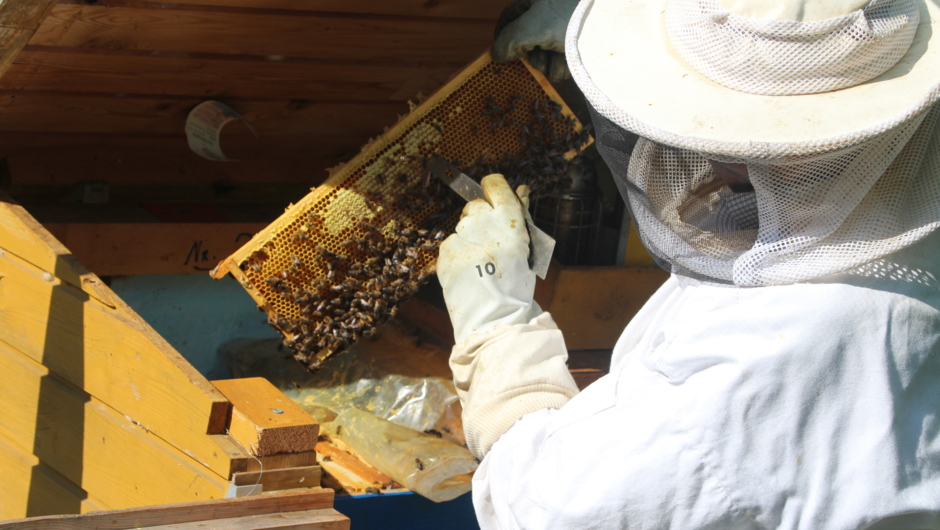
{"x":336,"y":264}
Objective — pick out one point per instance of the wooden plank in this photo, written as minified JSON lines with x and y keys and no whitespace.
{"x":281,"y":461}
{"x":120,"y":167}
{"x":153,"y":248}
{"x":312,"y":499}
{"x":237,"y":455}
{"x":93,"y":446}
{"x":40,"y":68}
{"x":93,"y":345}
{"x":481,"y":9}
{"x":293,"y":34}
{"x":68,"y":112}
{"x":280,"y":479}
{"x":179,"y":194}
{"x":319,"y":151}
{"x":350,"y":473}
{"x":30,"y":488}
{"x":327,"y":519}
{"x":18,"y":22}
{"x":264,"y":420}
{"x":242,"y":461}
{"x":595,"y":319}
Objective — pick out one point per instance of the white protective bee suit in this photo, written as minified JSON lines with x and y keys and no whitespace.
{"x":787,"y":375}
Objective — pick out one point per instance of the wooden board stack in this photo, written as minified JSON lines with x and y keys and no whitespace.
{"x":306,"y":509}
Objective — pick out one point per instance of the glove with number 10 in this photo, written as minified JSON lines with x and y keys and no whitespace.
{"x":484,"y":267}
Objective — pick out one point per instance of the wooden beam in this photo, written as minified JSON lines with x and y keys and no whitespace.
{"x":286,"y":34}
{"x":30,"y":488}
{"x":107,"y":455}
{"x":41,"y":68}
{"x":242,"y":461}
{"x":19,"y":20}
{"x":71,"y":113}
{"x":264,"y":420}
{"x":63,"y":317}
{"x":328,"y":519}
{"x":153,"y":248}
{"x":280,"y":479}
{"x":318,"y":151}
{"x":348,"y":472}
{"x":481,"y":9}
{"x":293,"y":501}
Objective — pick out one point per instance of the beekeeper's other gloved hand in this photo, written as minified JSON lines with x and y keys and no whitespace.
{"x":536,"y":28}
{"x":484,"y":267}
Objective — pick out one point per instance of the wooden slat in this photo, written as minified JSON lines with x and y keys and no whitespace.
{"x":319,"y":151}
{"x":54,"y":69}
{"x":280,"y":479}
{"x":103,"y":348}
{"x":316,"y":499}
{"x":264,"y":420}
{"x":153,"y":248}
{"x":277,"y":194}
{"x":328,"y":519}
{"x":481,"y":9}
{"x":350,"y":473}
{"x":51,"y":112}
{"x":294,"y":34}
{"x":93,"y":446}
{"x":30,"y":488}
{"x":18,"y":22}
{"x":242,"y":461}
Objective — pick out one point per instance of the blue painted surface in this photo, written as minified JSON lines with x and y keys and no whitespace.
{"x":407,"y":511}
{"x":195,"y":314}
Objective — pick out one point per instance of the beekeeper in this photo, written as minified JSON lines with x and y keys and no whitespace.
{"x":787,"y":375}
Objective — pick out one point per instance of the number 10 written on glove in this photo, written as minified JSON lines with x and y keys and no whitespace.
{"x":490,"y":269}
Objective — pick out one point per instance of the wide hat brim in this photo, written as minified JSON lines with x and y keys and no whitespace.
{"x":621,"y":57}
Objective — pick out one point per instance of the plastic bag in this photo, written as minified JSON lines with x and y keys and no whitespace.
{"x":428,"y":465}
{"x":393,"y":375}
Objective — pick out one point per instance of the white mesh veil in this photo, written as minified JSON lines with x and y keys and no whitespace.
{"x":820,"y":207}
{"x":806,"y":218}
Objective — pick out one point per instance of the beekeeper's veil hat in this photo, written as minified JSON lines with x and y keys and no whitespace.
{"x":830,"y":103}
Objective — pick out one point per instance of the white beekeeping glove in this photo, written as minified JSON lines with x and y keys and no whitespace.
{"x":536,"y":28}
{"x":484,"y":267}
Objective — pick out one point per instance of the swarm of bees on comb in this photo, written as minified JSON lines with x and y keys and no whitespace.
{"x":336,"y":274}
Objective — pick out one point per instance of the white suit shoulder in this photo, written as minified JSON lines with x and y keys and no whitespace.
{"x":813,"y":410}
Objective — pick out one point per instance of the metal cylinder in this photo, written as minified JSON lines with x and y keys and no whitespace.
{"x":573,"y":219}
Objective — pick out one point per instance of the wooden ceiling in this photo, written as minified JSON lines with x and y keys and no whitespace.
{"x":314,"y":78}
{"x":102,"y":90}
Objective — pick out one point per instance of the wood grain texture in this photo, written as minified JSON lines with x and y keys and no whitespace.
{"x":153,"y":248}
{"x":318,"y":151}
{"x":242,"y":461}
{"x":295,"y":34}
{"x":18,"y":22}
{"x":24,"y":14}
{"x":313,"y":499}
{"x":327,"y":519}
{"x":39,"y":68}
{"x":280,"y":479}
{"x":26,"y":478}
{"x":264,"y":420}
{"x":348,"y":472}
{"x":91,"y":339}
{"x":77,"y":113}
{"x":481,"y":9}
{"x":122,"y":464}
